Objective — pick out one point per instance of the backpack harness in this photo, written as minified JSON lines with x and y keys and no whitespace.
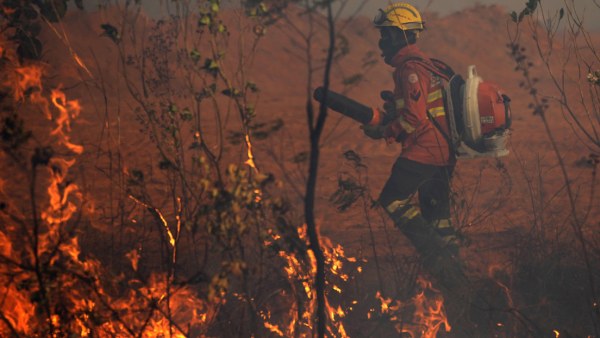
{"x":477,"y":112}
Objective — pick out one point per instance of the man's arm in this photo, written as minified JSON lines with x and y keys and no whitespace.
{"x":412,"y":85}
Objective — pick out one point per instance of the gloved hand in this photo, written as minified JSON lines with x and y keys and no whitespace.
{"x":374,"y":132}
{"x":389,"y":105}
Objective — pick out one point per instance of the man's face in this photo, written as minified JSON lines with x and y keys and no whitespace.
{"x":390,"y":41}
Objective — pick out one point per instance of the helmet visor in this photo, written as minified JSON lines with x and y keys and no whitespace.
{"x":380,"y":17}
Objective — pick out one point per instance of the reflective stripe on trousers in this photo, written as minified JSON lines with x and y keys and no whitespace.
{"x":401,"y":211}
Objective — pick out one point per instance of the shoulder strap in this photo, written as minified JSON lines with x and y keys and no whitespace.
{"x":444,"y":71}
{"x":451,"y":146}
{"x":443,"y":67}
{"x":435,"y":66}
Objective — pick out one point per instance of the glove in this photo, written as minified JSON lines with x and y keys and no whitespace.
{"x":374,"y":132}
{"x":389,"y":105}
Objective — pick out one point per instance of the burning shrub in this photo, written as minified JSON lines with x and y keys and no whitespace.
{"x":50,"y":287}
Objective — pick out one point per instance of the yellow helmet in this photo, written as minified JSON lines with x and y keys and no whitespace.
{"x":401,"y":15}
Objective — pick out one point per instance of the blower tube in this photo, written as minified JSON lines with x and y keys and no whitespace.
{"x":348,"y":107}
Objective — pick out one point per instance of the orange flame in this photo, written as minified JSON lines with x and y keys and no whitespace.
{"x":301,"y":271}
{"x":30,"y":79}
{"x":68,"y":109}
{"x":250,"y":161}
{"x":252,"y":164}
{"x":17,"y":308}
{"x":428,"y":316}
{"x":430,"y":313}
{"x":273,"y":328}
{"x":152,"y":309}
{"x":60,"y":209}
{"x":26,"y":82}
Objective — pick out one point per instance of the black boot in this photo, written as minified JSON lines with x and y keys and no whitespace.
{"x":438,"y":259}
{"x":449,"y":235}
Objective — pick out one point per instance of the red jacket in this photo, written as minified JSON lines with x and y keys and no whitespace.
{"x":417,"y":91}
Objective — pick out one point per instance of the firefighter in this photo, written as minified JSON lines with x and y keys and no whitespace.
{"x":426,"y":162}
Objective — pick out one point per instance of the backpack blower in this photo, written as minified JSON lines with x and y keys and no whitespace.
{"x":478,"y":113}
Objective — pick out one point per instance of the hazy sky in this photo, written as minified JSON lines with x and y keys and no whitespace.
{"x":591,"y":8}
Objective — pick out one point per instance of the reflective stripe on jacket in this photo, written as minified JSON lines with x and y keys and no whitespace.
{"x":418,"y":91}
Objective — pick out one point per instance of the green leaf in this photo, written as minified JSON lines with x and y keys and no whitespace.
{"x":276,"y":125}
{"x":195,"y":55}
{"x":165,"y":164}
{"x":235,"y":138}
{"x":522,"y":15}
{"x":29,"y":13}
{"x":53,"y":10}
{"x":561,"y":13}
{"x":13,"y":133}
{"x":300,"y":157}
{"x":30,"y":48}
{"x":263,"y":7}
{"x":231,"y":92}
{"x":137,"y":176}
{"x":34,"y":28}
{"x":42,"y":156}
{"x":250,"y":112}
{"x":532,"y":5}
{"x":513,"y":16}
{"x":211,"y":66}
{"x":204,"y":20}
{"x":186,"y":115}
{"x":206,"y":92}
{"x":252,"y":86}
{"x":111,"y":32}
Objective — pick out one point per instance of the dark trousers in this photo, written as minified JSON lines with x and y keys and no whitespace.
{"x":432,"y":183}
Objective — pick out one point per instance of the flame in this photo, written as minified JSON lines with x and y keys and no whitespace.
{"x":78,"y":301}
{"x":156,"y":306}
{"x":17,"y":308}
{"x":301,"y":271}
{"x":252,"y":164}
{"x":273,"y":328}
{"x":26,"y":83}
{"x":427,"y":317}
{"x":68,"y":110}
{"x":148,"y":305}
{"x":134,"y":258}
{"x":60,"y":208}
{"x":8,"y":10}
{"x":430,"y":312}
{"x":250,"y":161}
{"x":51,"y":244}
{"x":29,"y":79}
{"x":161,"y":217}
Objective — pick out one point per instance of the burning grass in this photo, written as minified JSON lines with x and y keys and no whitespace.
{"x":51,"y":286}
